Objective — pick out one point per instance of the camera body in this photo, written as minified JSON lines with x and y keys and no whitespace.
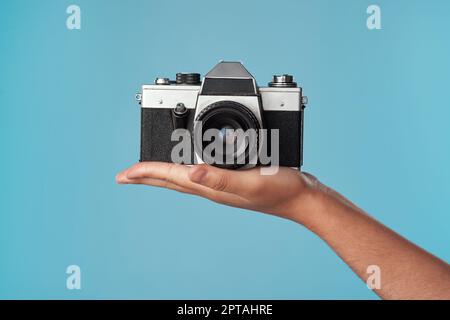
{"x":227,"y":97}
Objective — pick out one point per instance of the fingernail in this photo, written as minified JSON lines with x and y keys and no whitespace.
{"x":120,"y":178}
{"x":197,"y":174}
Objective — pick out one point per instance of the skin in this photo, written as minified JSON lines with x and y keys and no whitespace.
{"x":407,"y":271}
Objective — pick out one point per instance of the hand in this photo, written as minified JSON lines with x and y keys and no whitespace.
{"x":288,"y":193}
{"x":408,"y":271}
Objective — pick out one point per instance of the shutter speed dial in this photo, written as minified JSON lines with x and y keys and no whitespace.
{"x":188,"y":78}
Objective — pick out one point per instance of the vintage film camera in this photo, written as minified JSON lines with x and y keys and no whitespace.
{"x":227,"y":98}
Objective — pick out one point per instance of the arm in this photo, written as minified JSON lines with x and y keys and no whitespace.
{"x":407,"y":271}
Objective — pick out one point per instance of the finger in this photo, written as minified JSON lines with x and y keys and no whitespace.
{"x":171,"y":173}
{"x":174,"y":176}
{"x":236,"y":182}
{"x":142,"y":174}
{"x":121,"y":177}
{"x":174,"y":173}
{"x":157,"y":183}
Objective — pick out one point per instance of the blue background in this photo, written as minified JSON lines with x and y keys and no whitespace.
{"x":377,"y":130}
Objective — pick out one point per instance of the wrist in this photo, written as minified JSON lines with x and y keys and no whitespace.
{"x":308,"y":207}
{"x":322,"y":209}
{"x":316,"y":205}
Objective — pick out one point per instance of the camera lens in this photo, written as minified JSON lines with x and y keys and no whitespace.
{"x":232,"y":122}
{"x":227,"y":135}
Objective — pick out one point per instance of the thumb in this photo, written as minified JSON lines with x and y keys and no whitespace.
{"x":215,"y":178}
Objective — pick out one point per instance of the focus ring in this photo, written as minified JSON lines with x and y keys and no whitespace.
{"x":247,"y":115}
{"x":221,"y":104}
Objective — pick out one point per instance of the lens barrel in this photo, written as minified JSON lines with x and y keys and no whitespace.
{"x":229,"y":118}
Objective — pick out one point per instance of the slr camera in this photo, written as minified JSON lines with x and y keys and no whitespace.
{"x":226,"y":99}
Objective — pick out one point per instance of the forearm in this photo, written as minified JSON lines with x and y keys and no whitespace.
{"x":407,"y":271}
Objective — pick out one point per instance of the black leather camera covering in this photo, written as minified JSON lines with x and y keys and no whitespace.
{"x":156,"y":131}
